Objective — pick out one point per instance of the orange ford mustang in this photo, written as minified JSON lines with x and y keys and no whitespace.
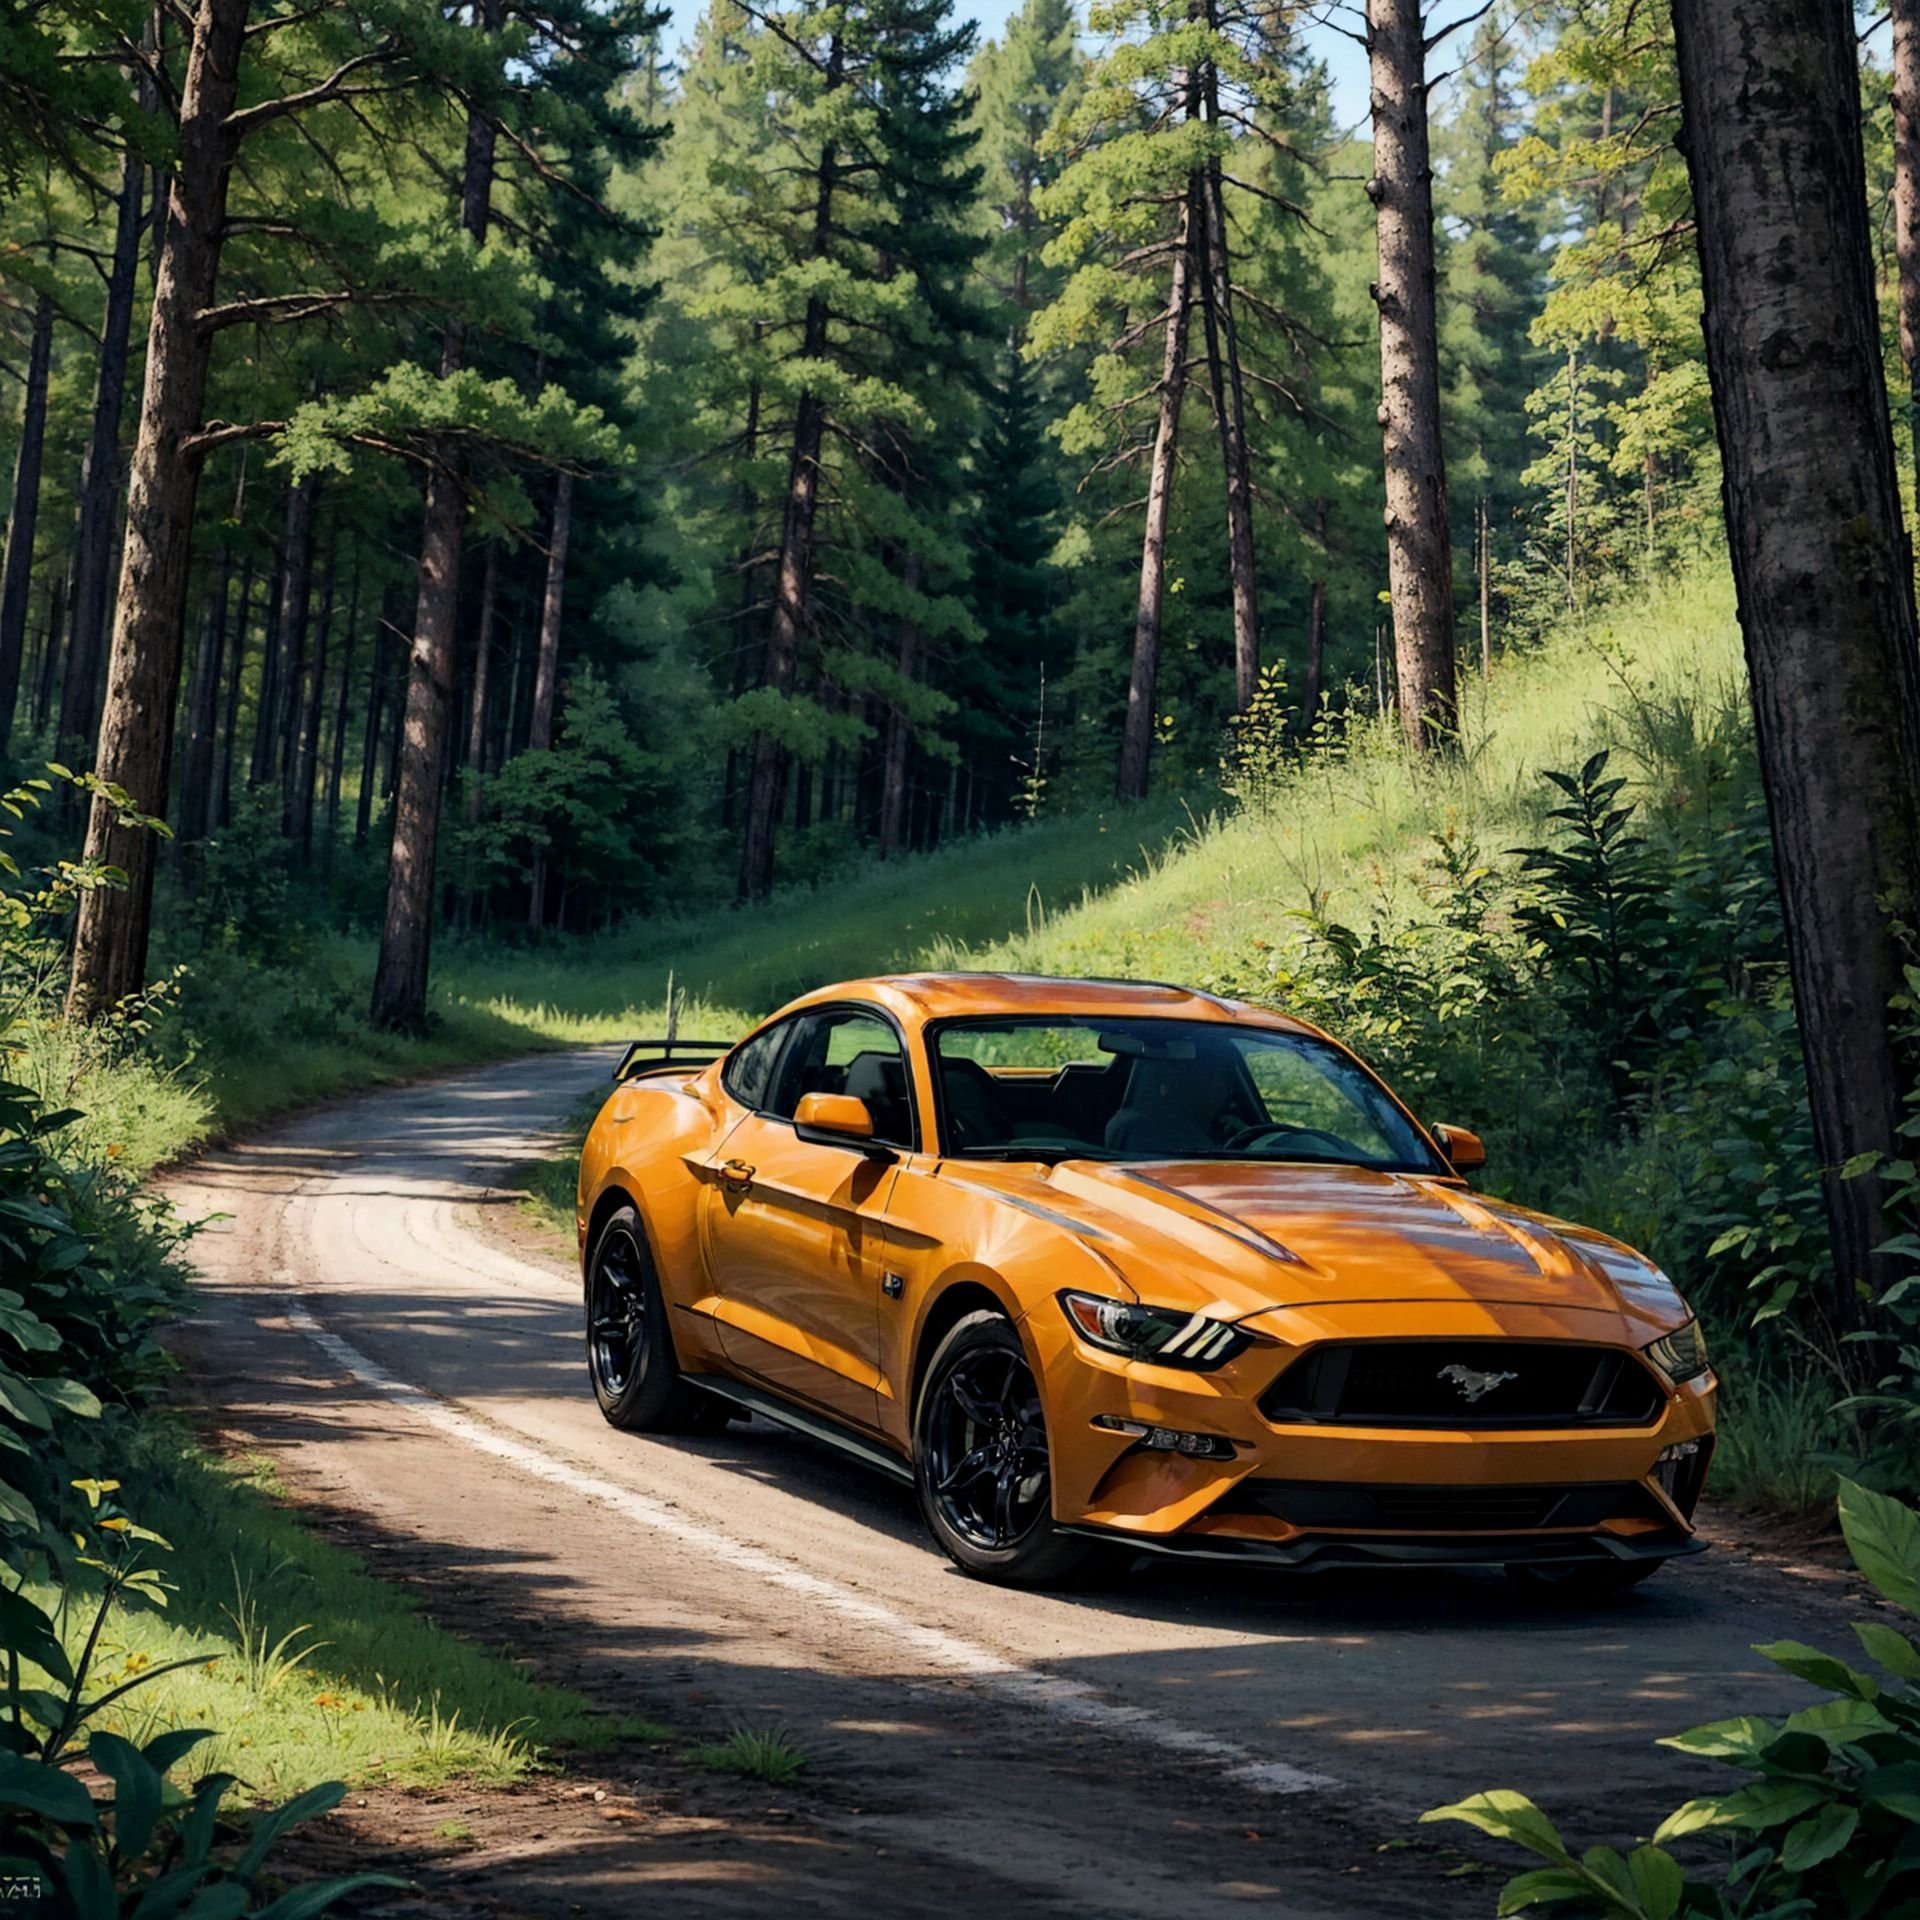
{"x":1112,"y":1264}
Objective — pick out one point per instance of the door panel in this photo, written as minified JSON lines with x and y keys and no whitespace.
{"x":794,"y":1250}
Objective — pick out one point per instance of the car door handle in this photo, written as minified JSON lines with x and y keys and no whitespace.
{"x":736,"y":1173}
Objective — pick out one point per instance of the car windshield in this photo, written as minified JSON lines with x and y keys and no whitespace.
{"x":1061,"y":1088}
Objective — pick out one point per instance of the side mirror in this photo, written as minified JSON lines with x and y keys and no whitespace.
{"x":837,"y":1120}
{"x":1466,"y":1152}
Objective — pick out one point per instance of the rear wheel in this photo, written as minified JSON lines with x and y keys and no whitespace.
{"x":1579,"y":1583}
{"x":982,"y":1465}
{"x":630,"y":1357}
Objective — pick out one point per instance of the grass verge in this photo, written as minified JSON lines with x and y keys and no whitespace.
{"x":311,"y":1667}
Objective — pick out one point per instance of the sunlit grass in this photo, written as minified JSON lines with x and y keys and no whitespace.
{"x":756,"y":1753}
{"x":310,"y":1666}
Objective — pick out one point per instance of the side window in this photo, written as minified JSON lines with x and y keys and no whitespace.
{"x":749,"y":1068}
{"x":839,"y":1051}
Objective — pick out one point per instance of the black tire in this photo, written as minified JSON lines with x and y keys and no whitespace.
{"x":982,"y":1466}
{"x":630,"y":1357}
{"x":1581,"y":1583}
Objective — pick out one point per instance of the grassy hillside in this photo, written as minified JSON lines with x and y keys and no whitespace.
{"x":1173,"y":891}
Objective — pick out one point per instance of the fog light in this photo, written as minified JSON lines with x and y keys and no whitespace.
{"x":1196,"y":1446}
{"x":1680,"y":1450}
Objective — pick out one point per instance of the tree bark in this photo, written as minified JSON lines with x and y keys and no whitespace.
{"x":100,"y":473}
{"x":16,"y":570}
{"x":1313,"y":689}
{"x":1906,"y":202}
{"x":1136,"y":746}
{"x":304,"y":762}
{"x":50,"y":654}
{"x":482,"y":673}
{"x":546,"y":674}
{"x":236,"y":686}
{"x":406,"y":938}
{"x":546,"y":670}
{"x":342,"y":711}
{"x":1771,"y":132}
{"x":1419,"y":530}
{"x":143,"y":674}
{"x":286,"y":658}
{"x":893,"y":779}
{"x":793,"y":578}
{"x":1485,"y":544}
{"x":370,"y":740}
{"x":203,"y":712}
{"x":1229,"y":412}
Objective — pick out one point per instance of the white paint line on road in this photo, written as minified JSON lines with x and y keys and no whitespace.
{"x":1069,"y":1700}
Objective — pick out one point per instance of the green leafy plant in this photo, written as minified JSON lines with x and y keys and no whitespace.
{"x":1828,"y":1821}
{"x":759,"y":1753}
{"x":147,"y":1846}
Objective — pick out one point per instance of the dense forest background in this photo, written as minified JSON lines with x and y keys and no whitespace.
{"x":508,"y":509}
{"x":964,"y":308}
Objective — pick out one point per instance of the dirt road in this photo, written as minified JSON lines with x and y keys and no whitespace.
{"x":1195,"y":1742}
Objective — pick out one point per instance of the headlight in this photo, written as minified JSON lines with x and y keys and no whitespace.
{"x":1682,"y":1354}
{"x":1166,"y":1338}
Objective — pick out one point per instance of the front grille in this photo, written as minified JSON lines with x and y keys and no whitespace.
{"x":1464,"y":1383}
{"x":1330,"y":1506}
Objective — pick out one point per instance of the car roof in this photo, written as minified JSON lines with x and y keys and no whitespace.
{"x":950,"y":996}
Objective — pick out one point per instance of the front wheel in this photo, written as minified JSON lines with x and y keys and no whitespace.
{"x":1581,"y":1583}
{"x":630,"y":1357}
{"x":982,"y":1465}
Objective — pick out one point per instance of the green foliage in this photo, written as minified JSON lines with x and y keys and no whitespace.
{"x":1824,"y":1825}
{"x":756,"y":1753}
{"x":145,"y":1844}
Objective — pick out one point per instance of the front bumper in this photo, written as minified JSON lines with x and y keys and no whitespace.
{"x":1317,"y":1496}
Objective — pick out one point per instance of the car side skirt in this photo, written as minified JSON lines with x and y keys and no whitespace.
{"x":783,"y":1413}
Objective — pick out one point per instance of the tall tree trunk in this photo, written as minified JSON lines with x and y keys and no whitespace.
{"x":50,"y":654}
{"x":1229,"y":410}
{"x":1906,"y":203}
{"x":100,"y":472}
{"x":893,"y":779}
{"x":546,"y":673}
{"x":1485,"y":544}
{"x":1136,"y":746}
{"x":16,"y":570}
{"x":286,"y":658}
{"x":1419,"y":531}
{"x":203,"y":711}
{"x":1771,"y":131}
{"x":304,"y":762}
{"x":793,"y":586}
{"x":236,"y":688}
{"x":406,"y":938}
{"x":342,"y":711}
{"x":482,"y":673}
{"x":143,"y":674}
{"x":793,"y":577}
{"x":370,"y":739}
{"x":546,"y":669}
{"x":1314,"y":689}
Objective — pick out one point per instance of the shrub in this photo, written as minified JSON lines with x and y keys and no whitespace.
{"x":1826,"y":1822}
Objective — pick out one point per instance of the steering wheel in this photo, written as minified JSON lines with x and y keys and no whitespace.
{"x":1268,"y":1134}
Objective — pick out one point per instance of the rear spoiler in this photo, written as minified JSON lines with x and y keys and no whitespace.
{"x":657,"y":1056}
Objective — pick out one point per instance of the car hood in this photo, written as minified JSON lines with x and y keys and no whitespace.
{"x":1261,"y":1236}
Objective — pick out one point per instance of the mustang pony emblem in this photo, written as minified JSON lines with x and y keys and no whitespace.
{"x":1473,"y":1384}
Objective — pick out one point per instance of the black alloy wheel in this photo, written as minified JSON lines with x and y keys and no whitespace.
{"x":630,"y":1355}
{"x":616,"y":1314}
{"x":987,"y":1448}
{"x":981,"y":1463}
